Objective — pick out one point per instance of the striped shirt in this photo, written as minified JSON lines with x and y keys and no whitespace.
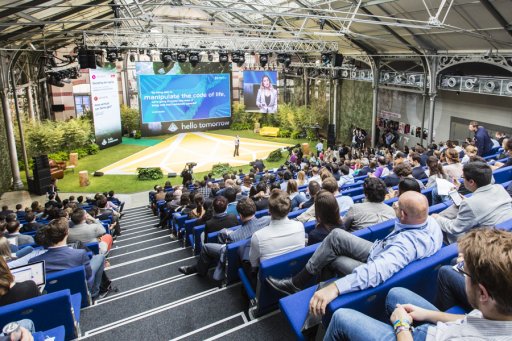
{"x":473,"y":327}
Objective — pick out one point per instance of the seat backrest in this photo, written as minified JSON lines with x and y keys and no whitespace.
{"x":503,"y":174}
{"x":46,"y":311}
{"x":419,"y":276}
{"x":73,"y":279}
{"x":233,"y":260}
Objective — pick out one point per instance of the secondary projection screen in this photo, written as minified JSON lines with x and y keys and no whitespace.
{"x":260,"y":91}
{"x":179,"y":101}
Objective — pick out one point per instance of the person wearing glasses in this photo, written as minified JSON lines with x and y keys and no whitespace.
{"x":486,"y":269}
{"x":488,"y":206}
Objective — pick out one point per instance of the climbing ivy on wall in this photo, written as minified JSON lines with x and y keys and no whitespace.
{"x":355,"y":109}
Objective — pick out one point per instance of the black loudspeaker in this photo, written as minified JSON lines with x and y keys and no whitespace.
{"x":41,"y":162}
{"x":39,"y":187}
{"x":98,"y":174}
{"x":58,"y":107}
{"x":172,"y":175}
{"x":337,"y":59}
{"x":87,"y":59}
{"x":331,"y":135}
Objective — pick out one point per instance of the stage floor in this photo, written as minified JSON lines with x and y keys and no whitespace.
{"x":204,"y":148}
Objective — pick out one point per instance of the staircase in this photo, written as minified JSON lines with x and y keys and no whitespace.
{"x":156,"y":302}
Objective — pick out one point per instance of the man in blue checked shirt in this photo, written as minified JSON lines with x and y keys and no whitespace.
{"x":364,"y":264}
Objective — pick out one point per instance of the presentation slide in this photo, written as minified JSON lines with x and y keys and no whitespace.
{"x":260,"y":91}
{"x":184,"y":97}
{"x":105,"y":106}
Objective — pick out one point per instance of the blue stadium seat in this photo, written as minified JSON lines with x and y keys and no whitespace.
{"x":47,"y":312}
{"x":73,"y":279}
{"x":419,"y":276}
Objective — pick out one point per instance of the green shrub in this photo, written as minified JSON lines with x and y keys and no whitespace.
{"x":92,"y":149}
{"x":221,"y":169}
{"x":137,"y":135}
{"x":295,"y":134}
{"x":59,"y":156}
{"x":275,"y":156}
{"x":130,"y":119}
{"x":153,"y":173}
{"x":241,"y":126}
{"x":285,"y":133}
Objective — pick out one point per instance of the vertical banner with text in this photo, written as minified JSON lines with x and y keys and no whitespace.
{"x":105,"y":106}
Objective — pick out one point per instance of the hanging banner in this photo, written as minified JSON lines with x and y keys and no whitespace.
{"x":105,"y":106}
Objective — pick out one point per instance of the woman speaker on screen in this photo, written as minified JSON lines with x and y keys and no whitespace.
{"x":267,"y":96}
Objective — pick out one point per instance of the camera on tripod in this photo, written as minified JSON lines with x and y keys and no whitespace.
{"x":191,"y":165}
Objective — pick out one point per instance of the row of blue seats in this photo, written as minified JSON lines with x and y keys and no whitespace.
{"x":280,"y":263}
{"x":420,"y":277}
{"x":66,"y":293}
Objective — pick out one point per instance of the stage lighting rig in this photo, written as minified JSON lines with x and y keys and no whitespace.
{"x":238,"y":57}
{"x":181,"y":56}
{"x":166,"y":57}
{"x":263,"y":59}
{"x":113,"y":54}
{"x":194,"y":58}
{"x":223,"y":57}
{"x":285,"y":59}
{"x":326,"y":58}
{"x":235,"y":56}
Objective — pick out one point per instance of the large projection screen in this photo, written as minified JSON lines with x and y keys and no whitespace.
{"x":260,"y":91}
{"x":180,"y":98}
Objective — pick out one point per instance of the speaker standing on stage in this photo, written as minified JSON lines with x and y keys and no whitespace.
{"x":237,"y":145}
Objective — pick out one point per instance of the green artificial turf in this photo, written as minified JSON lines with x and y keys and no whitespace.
{"x":129,"y":183}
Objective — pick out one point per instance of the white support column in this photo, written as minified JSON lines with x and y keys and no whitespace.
{"x":375,"y":101}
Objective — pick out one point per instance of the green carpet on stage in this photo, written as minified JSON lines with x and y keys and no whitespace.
{"x":140,"y":142}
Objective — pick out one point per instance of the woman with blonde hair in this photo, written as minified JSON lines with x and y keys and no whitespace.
{"x":266,"y":98}
{"x":11,"y":291}
{"x":293,"y":193}
{"x":470,"y":152}
{"x":301,"y":178}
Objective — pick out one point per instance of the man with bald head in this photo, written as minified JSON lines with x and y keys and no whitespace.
{"x":362,"y":264}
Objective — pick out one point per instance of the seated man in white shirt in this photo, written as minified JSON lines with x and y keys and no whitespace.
{"x":281,"y":235}
{"x":486,"y":267}
{"x":344,"y":202}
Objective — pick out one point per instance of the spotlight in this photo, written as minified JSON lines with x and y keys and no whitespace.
{"x":132,"y":57}
{"x":300,"y":71}
{"x":166,"y":57}
{"x":322,"y":23}
{"x":194,"y":58}
{"x":238,"y":57}
{"x":287,"y":60}
{"x":326,"y":58}
{"x":182,"y":56}
{"x":112,"y":55}
{"x":223,"y":57}
{"x":235,"y":57}
{"x":210,"y":57}
{"x":263,"y":59}
{"x":99,"y":60}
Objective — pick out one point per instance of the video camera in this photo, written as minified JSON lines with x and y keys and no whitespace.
{"x":190,"y":165}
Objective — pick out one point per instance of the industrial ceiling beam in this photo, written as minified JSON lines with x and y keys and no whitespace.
{"x":497,"y":15}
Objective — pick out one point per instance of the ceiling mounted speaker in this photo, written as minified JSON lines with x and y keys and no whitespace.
{"x":469,"y":84}
{"x":489,"y":86}
{"x":344,"y":73}
{"x":451,"y":82}
{"x":508,"y":87}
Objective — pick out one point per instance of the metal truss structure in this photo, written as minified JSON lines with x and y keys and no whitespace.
{"x":206,"y":43}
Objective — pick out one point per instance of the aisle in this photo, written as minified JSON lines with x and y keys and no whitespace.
{"x":156,"y":302}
